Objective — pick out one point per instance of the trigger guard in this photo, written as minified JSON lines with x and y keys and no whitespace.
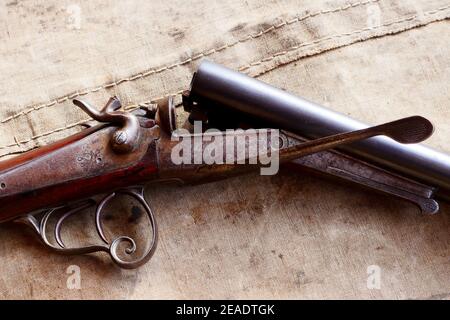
{"x":136,"y":193}
{"x":39,"y":225}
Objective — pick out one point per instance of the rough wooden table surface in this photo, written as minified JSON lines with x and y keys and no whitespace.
{"x":286,"y":236}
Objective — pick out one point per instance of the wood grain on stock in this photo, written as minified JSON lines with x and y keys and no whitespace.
{"x":68,"y":170}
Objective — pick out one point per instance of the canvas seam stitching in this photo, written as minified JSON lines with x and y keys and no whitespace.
{"x":203,"y":54}
{"x":18,"y":143}
{"x":317,"y":41}
{"x":244,"y":68}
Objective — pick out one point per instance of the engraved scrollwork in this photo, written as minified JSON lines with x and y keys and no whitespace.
{"x":40,"y":226}
{"x":90,"y":158}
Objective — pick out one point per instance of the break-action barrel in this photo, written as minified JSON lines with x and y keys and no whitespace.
{"x":238,"y":92}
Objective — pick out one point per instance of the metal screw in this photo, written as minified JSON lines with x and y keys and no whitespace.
{"x":120,"y":137}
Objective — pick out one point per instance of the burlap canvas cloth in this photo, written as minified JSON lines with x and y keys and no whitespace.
{"x":249,"y":237}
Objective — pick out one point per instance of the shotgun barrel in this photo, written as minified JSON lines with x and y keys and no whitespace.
{"x":236,"y":92}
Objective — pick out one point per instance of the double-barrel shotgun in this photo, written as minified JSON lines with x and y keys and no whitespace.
{"x":236,"y":124}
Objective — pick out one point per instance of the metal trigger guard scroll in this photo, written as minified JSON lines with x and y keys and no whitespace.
{"x":111,"y":247}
